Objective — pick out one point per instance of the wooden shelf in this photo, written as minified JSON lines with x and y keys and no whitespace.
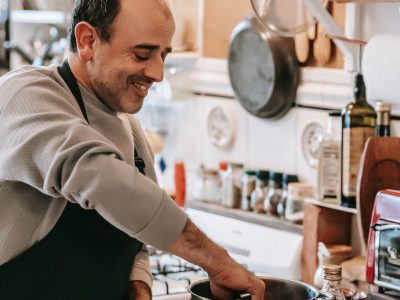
{"x":251,"y":217}
{"x":331,"y":206}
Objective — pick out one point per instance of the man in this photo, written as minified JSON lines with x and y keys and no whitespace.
{"x":76,"y":201}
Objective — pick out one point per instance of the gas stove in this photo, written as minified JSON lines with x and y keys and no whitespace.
{"x":172,"y":276}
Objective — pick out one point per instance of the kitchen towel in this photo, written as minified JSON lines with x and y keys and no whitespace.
{"x":381,"y":68}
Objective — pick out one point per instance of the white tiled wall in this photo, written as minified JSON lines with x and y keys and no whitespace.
{"x":258,"y":143}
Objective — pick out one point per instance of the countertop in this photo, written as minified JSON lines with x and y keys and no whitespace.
{"x":247,"y":216}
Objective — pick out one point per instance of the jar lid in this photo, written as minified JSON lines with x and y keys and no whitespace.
{"x":288,"y":178}
{"x":383,"y":106}
{"x":275,"y":176}
{"x":332,"y":272}
{"x":251,"y":173}
{"x":262,"y":175}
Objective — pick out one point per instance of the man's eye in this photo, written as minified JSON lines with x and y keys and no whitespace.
{"x":141,"y":58}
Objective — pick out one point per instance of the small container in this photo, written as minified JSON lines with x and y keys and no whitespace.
{"x":297,"y":192}
{"x":287,"y":178}
{"x":274,"y":193}
{"x":180,"y":183}
{"x":332,"y":279}
{"x":261,"y":190}
{"x":248,"y":186}
{"x":231,"y":186}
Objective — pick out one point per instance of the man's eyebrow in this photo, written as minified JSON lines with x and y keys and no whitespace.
{"x":150,"y":47}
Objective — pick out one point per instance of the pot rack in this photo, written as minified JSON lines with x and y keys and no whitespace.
{"x":351,"y":50}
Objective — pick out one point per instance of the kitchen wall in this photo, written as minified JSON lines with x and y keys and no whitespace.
{"x":260,"y":143}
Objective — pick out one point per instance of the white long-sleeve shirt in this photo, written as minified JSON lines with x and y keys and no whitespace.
{"x":49,"y":155}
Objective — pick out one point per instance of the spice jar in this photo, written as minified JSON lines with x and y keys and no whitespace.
{"x":287,"y":178}
{"x":261,"y":190}
{"x":231,"y":185}
{"x":297,"y":192}
{"x":274,"y":193}
{"x":248,"y":186}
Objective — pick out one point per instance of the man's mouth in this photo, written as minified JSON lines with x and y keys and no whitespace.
{"x":140,"y":86}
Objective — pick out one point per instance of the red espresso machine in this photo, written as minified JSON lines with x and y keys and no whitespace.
{"x":383,"y":253}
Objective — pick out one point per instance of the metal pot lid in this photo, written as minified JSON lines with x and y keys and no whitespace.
{"x":262,"y":71}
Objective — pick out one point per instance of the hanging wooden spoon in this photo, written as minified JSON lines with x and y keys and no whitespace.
{"x":322,"y":46}
{"x":302,"y":46}
{"x":311,"y":32}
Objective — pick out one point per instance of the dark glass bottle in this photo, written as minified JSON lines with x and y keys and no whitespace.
{"x":358,"y":124}
{"x":383,"y":121}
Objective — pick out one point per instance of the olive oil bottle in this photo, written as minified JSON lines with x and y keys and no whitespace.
{"x":358,"y":124}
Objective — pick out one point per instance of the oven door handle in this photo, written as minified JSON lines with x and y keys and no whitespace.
{"x":382,"y":227}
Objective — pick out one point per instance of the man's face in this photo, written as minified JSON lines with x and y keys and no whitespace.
{"x":123,"y":68}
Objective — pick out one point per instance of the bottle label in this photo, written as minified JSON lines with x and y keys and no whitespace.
{"x":330,"y":172}
{"x":353,"y":145}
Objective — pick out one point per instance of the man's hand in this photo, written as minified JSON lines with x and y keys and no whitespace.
{"x":226,"y":275}
{"x":138,"y":290}
{"x":228,"y":278}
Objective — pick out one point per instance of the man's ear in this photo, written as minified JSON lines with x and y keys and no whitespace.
{"x":86,"y":37}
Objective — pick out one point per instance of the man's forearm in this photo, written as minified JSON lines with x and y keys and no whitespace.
{"x":194,"y":246}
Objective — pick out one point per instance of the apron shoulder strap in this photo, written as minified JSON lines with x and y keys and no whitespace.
{"x":69,"y":78}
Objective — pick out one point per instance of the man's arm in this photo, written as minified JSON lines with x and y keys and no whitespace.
{"x":226,"y":275}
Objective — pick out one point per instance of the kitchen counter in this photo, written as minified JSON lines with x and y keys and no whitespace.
{"x":251,"y":217}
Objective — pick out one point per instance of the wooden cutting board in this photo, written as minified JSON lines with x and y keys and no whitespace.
{"x":379,"y":169}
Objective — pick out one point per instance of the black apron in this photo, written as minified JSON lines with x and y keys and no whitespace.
{"x":82,"y":258}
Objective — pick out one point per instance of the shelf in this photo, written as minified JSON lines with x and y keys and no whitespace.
{"x":37,"y":17}
{"x":331,"y":206}
{"x":251,"y":217}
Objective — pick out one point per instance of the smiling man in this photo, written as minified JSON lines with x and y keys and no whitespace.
{"x":78,"y":194}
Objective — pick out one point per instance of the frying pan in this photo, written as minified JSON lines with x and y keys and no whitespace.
{"x":263,"y":69}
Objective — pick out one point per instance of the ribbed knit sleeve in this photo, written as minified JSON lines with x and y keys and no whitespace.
{"x":45,"y":143}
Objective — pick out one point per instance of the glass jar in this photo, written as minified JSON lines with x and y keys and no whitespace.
{"x":297,"y":192}
{"x":332,"y":279}
{"x":274,"y":193}
{"x":248,"y":186}
{"x":287,"y":178}
{"x":261,"y":190}
{"x":231,"y":185}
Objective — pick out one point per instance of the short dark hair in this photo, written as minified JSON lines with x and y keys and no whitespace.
{"x":99,"y":13}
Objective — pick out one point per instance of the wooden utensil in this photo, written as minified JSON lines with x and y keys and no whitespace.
{"x":322,"y":46}
{"x":311,"y":32}
{"x":302,"y":46}
{"x":379,"y":169}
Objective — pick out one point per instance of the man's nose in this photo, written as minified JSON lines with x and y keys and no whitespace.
{"x":155,"y":69}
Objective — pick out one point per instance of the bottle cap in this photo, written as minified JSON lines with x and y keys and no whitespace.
{"x":276,"y":176}
{"x":288,"y":178}
{"x":383,"y":106}
{"x":223,"y":166}
{"x":332,"y":272}
{"x":250,"y":172}
{"x":262,"y":175}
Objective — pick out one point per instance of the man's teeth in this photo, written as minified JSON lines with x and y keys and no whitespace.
{"x":139,"y":86}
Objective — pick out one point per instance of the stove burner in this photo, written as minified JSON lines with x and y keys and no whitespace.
{"x":172,"y":275}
